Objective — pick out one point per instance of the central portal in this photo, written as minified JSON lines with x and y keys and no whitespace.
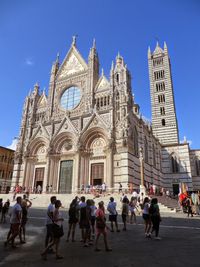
{"x":97,"y":173}
{"x":66,"y":172}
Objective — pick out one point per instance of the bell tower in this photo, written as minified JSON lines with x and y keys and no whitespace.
{"x":164,"y":120}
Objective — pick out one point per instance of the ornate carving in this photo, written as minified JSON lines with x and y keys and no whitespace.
{"x":72,"y":66}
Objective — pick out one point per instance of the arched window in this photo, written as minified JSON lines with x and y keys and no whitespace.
{"x":174,"y":163}
{"x":197,"y":163}
{"x":117,"y":78}
{"x":146,"y":154}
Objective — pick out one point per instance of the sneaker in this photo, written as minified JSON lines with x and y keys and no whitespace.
{"x":59,"y":257}
{"x":86,"y":245}
{"x":157,"y":238}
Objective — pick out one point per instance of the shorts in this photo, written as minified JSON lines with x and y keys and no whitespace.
{"x":112,"y":218}
{"x":146,"y":217}
{"x":93,"y":219}
{"x":72,"y":220}
{"x":15,"y":228}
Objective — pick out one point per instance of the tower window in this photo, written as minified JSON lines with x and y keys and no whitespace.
{"x":163,"y":122}
{"x":161,"y":98}
{"x":162,"y":110}
{"x":160,"y":87}
{"x":158,"y":61}
{"x":159,"y":75}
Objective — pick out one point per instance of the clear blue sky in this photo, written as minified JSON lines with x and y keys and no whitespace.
{"x":32,"y":32}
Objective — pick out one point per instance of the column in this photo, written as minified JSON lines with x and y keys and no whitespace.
{"x":142,"y":187}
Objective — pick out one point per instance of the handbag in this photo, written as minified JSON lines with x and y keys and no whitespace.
{"x":57,"y":230}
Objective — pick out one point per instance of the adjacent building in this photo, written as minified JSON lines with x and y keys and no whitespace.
{"x":6,"y":168}
{"x":89,"y":130}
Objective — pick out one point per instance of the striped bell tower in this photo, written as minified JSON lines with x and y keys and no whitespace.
{"x":164,"y":120}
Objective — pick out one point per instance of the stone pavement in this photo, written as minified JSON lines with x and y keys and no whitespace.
{"x":179,"y":245}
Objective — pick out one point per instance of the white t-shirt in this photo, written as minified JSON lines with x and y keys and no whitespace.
{"x":146,"y":208}
{"x":112,"y":208}
{"x":103,"y":187}
{"x":93,"y":210}
{"x":16,"y":208}
{"x":50,"y":210}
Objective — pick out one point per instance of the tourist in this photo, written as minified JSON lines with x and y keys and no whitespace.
{"x":101,"y":227}
{"x":125,"y":211}
{"x":93,"y":216}
{"x":103,"y":186}
{"x":25,"y":204}
{"x":133,"y":208}
{"x":57,"y":231}
{"x":154,"y":213}
{"x":82,"y":217}
{"x":112,"y":214}
{"x":86,"y":225}
{"x":189,"y":205}
{"x":120,"y":188}
{"x":73,"y":219}
{"x":146,"y":217}
{"x":4,"y":211}
{"x":15,"y":221}
{"x":49,"y":221}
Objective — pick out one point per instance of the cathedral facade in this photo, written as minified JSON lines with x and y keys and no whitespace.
{"x":88,"y":130}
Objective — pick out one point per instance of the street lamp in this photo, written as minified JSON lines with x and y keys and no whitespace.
{"x":142,"y":187}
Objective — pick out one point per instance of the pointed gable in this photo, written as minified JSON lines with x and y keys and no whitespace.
{"x":72,"y":64}
{"x":102,"y":84}
{"x":158,"y":50}
{"x":42,"y":102}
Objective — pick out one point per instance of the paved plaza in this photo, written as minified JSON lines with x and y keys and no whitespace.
{"x":179,"y":245}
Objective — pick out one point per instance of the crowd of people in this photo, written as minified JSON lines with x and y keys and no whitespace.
{"x":190,"y":203}
{"x":91,"y":220}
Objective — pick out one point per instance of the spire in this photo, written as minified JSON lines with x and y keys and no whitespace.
{"x":157,"y":44}
{"x":119,"y":59}
{"x":102,"y":72}
{"x":94,"y":44}
{"x":165,"y":47}
{"x":112,"y":65}
{"x":74,"y":40}
{"x":57,"y":57}
{"x":149,"y":51}
{"x":36,"y":89}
